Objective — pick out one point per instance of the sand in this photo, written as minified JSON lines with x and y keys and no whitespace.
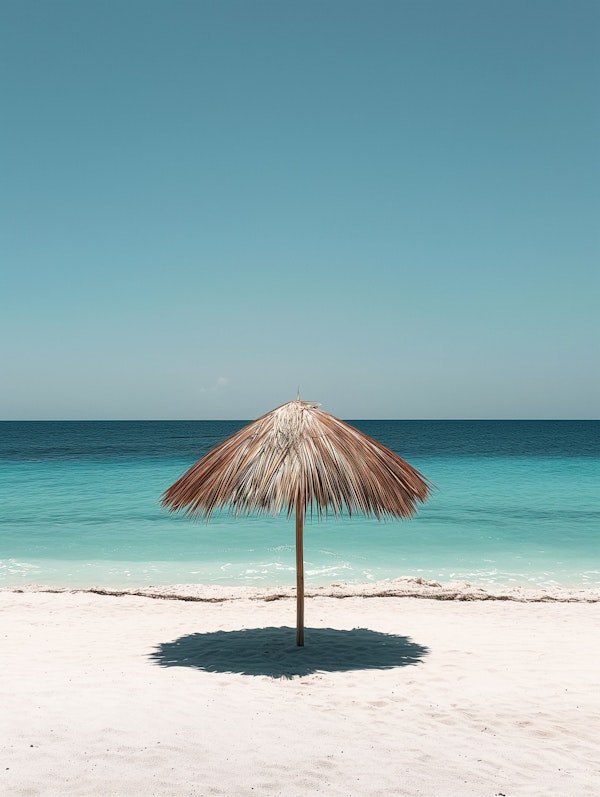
{"x":391,"y":695}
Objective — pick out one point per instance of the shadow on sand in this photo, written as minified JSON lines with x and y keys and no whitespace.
{"x":273,"y":651}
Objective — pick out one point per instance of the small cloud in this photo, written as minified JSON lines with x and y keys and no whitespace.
{"x":221,"y":382}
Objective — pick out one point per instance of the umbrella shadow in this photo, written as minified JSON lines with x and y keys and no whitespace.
{"x":273,"y":652}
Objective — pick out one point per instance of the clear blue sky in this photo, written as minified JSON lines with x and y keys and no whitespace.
{"x":393,"y":205}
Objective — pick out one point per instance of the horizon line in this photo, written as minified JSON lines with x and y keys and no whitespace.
{"x":249,"y":420}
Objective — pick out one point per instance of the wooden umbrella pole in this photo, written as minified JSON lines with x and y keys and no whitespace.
{"x":299,"y":574}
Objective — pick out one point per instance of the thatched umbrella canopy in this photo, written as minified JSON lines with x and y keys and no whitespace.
{"x":298,"y":458}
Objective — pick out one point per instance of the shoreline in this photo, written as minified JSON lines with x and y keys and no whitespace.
{"x":405,"y":587}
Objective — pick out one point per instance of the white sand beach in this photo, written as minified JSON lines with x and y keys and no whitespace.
{"x":391,"y":695}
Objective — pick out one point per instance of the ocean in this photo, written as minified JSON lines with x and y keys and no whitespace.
{"x":515,"y":503}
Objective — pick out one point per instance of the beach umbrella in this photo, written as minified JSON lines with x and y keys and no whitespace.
{"x":299,"y":459}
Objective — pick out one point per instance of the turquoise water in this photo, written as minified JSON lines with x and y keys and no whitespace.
{"x":514,"y":503}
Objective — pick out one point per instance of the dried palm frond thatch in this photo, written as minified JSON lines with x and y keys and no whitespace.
{"x":299,"y":458}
